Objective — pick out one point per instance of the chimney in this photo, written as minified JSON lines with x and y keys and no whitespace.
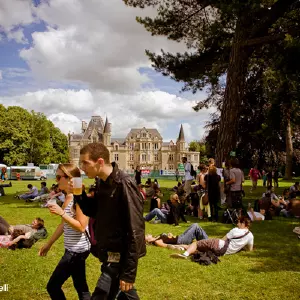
{"x":83,"y":126}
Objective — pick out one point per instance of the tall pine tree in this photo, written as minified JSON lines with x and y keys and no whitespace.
{"x":222,"y":36}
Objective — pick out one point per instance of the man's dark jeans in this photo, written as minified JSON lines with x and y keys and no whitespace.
{"x":71,"y":264}
{"x":108,"y":285}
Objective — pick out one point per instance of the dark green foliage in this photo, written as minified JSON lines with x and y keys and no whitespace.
{"x":222,"y":37}
{"x":30,"y":137}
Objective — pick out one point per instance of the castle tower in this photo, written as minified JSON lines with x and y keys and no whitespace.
{"x":181,"y":140}
{"x":107,"y":133}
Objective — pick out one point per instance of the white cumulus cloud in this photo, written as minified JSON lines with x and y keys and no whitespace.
{"x":66,"y":122}
{"x":96,"y":42}
{"x":152,"y":109}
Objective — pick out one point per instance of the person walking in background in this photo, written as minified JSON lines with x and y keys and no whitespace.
{"x":119,"y":224}
{"x":236,"y":185}
{"x":138,"y":175}
{"x":254,"y":174}
{"x":177,"y":175}
{"x":77,"y":246}
{"x":264,"y":177}
{"x":212,"y":185}
{"x":269,"y":178}
{"x":188,"y":178}
{"x":275,"y":178}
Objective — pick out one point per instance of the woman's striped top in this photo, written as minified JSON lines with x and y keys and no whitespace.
{"x":74,"y":241}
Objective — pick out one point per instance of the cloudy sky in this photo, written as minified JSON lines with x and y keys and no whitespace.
{"x":71,"y":59}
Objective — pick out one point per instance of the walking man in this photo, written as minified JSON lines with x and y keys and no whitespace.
{"x":188,"y":178}
{"x":119,"y":225}
{"x":254,"y":174}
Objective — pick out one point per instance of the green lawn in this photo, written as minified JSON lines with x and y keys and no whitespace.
{"x":272,"y":271}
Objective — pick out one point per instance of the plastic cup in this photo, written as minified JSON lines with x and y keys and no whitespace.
{"x":51,"y":202}
{"x":77,"y":186}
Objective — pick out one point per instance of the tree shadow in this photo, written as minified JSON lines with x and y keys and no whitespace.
{"x":278,"y":248}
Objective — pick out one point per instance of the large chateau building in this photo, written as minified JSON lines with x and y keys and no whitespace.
{"x":141,"y":147}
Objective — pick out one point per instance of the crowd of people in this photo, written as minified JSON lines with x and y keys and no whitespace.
{"x":108,"y":221}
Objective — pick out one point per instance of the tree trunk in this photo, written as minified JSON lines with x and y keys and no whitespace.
{"x":236,"y":74}
{"x":289,"y":149}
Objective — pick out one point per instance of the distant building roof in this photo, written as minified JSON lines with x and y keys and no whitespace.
{"x":96,"y":123}
{"x":77,"y":137}
{"x":181,"y":134}
{"x":120,"y":141}
{"x":134,"y":131}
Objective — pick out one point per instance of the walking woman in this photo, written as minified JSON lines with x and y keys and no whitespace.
{"x":77,"y":246}
{"x":212,"y":180}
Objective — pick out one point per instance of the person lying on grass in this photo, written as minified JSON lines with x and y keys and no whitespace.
{"x":256,"y":216}
{"x":181,"y":242}
{"x":235,"y":240}
{"x":7,"y":241}
{"x":36,"y":225}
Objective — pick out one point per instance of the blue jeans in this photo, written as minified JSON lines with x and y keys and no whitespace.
{"x":192,"y":233}
{"x":27,"y":196}
{"x":71,"y":264}
{"x":156,"y":212}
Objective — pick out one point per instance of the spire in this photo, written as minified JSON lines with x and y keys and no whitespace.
{"x":106,"y":126}
{"x":181,"y":134}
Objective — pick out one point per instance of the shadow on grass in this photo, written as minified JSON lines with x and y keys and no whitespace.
{"x":278,"y":248}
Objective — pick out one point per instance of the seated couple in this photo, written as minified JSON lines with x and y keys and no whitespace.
{"x":169,"y":213}
{"x":235,"y":240}
{"x":33,"y":192}
{"x":21,"y":236}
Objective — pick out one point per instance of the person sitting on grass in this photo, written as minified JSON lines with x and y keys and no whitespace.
{"x":170,"y":212}
{"x":181,"y":242}
{"x":56,"y":194}
{"x":42,"y":194}
{"x":155,"y":200}
{"x":142,"y":191}
{"x":294,"y":190}
{"x":31,"y":194}
{"x":235,"y":240}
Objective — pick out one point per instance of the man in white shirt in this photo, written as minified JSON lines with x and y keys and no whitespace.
{"x":188,"y":178}
{"x":235,"y":240}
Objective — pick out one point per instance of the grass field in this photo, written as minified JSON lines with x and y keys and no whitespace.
{"x":272,"y":271}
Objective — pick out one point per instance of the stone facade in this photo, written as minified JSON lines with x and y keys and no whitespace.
{"x":141,"y":147}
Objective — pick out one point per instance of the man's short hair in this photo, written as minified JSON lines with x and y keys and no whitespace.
{"x":96,"y":151}
{"x":40,"y":222}
{"x":29,"y":186}
{"x":43,"y":183}
{"x":234,"y":163}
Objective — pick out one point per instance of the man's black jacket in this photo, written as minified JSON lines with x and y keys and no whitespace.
{"x":120,"y":227}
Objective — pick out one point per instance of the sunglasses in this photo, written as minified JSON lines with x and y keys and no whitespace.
{"x":58,"y":177}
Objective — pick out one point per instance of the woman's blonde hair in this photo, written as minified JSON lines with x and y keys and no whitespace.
{"x":70,"y":170}
{"x":212,"y":170}
{"x":173,"y":196}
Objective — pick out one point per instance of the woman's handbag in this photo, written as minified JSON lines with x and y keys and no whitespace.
{"x":205,"y":198}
